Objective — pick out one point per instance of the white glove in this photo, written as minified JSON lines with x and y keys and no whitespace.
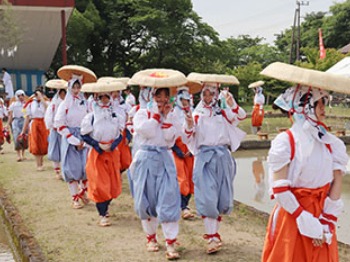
{"x":73,"y":141}
{"x":309,"y":225}
{"x":152,"y":107}
{"x":328,"y":235}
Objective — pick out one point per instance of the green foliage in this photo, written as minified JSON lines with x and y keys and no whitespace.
{"x":337,"y":25}
{"x":313,"y":60}
{"x":120,"y":37}
{"x":334,"y":29}
{"x":10,"y":28}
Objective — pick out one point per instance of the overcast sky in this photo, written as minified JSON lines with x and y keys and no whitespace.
{"x":262,"y":18}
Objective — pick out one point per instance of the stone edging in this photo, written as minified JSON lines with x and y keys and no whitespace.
{"x":27,"y":248}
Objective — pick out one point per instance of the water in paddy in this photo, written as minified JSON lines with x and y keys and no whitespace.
{"x":253,"y":190}
{"x":5,"y":250}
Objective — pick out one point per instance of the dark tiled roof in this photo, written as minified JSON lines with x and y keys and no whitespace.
{"x":345,"y":49}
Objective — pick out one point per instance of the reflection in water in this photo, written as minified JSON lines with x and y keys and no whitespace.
{"x":5,"y":251}
{"x":259,"y":175}
{"x":251,"y":185}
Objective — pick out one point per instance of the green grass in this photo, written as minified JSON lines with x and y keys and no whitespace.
{"x":271,"y":124}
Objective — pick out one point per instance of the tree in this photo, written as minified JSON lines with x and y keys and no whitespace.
{"x":313,"y":60}
{"x":127,"y":35}
{"x":10,"y":30}
{"x":337,"y":25}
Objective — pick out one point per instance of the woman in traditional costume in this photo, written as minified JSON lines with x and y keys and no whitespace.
{"x":54,"y":150}
{"x":68,"y":119}
{"x":306,"y":165}
{"x":16,"y":122}
{"x":153,"y":171}
{"x":258,"y":109}
{"x":101,"y":129}
{"x":183,"y":157}
{"x":35,"y":109}
{"x":212,"y":135}
{"x":3,"y":113}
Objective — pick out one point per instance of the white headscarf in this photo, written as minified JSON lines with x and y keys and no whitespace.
{"x":213,"y":106}
{"x":69,"y":96}
{"x":300,"y":102}
{"x":145,"y":96}
{"x":182,"y":93}
{"x":18,"y":93}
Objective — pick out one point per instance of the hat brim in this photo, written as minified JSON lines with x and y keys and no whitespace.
{"x":103,"y":87}
{"x":66,"y":72}
{"x":194,"y":87}
{"x":256,"y":84}
{"x":158,"y":78}
{"x":57,"y":84}
{"x":213,"y":78}
{"x":308,"y":77}
{"x":124,"y":80}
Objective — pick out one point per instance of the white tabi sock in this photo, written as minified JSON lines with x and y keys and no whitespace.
{"x":73,"y":188}
{"x":210,"y":225}
{"x":150,"y":225}
{"x":170,"y":230}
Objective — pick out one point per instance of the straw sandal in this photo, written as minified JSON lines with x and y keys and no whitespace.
{"x":213,"y":246}
{"x":171,"y":253}
{"x":186,"y":214}
{"x":104,"y":222}
{"x":76,"y":204}
{"x":152,"y":244}
{"x":214,"y":243}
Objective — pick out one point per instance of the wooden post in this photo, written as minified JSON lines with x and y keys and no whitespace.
{"x":64,"y":37}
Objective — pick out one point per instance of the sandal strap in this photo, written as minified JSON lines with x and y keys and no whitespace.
{"x":170,"y":241}
{"x":209,"y":236}
{"x":151,"y":238}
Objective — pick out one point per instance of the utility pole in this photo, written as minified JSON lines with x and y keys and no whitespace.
{"x":296,"y":23}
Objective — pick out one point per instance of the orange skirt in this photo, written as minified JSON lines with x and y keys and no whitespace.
{"x":257,"y":119}
{"x":103,"y":174}
{"x":184,"y":169}
{"x":37,"y":137}
{"x":125,"y":153}
{"x":2,"y":137}
{"x":287,"y":244}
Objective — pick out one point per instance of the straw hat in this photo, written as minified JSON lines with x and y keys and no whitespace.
{"x":308,"y":77}
{"x":104,"y":86}
{"x":158,"y":78}
{"x":194,"y":87}
{"x":56,"y":84}
{"x":124,"y":80}
{"x":213,"y":78}
{"x":66,"y":72}
{"x":256,"y":84}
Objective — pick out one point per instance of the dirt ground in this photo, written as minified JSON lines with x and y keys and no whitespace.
{"x":65,"y":234}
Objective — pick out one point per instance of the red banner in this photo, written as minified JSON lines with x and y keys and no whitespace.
{"x":322,"y":49}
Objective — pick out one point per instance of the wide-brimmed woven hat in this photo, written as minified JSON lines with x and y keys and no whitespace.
{"x":194,"y":87}
{"x":57,"y":84}
{"x":159,"y":78}
{"x":308,"y":77}
{"x":256,"y":84}
{"x":66,"y":72}
{"x":103,"y":87}
{"x":213,"y":78}
{"x":124,"y":80}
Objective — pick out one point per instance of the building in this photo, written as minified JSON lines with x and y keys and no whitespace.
{"x":42,"y":25}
